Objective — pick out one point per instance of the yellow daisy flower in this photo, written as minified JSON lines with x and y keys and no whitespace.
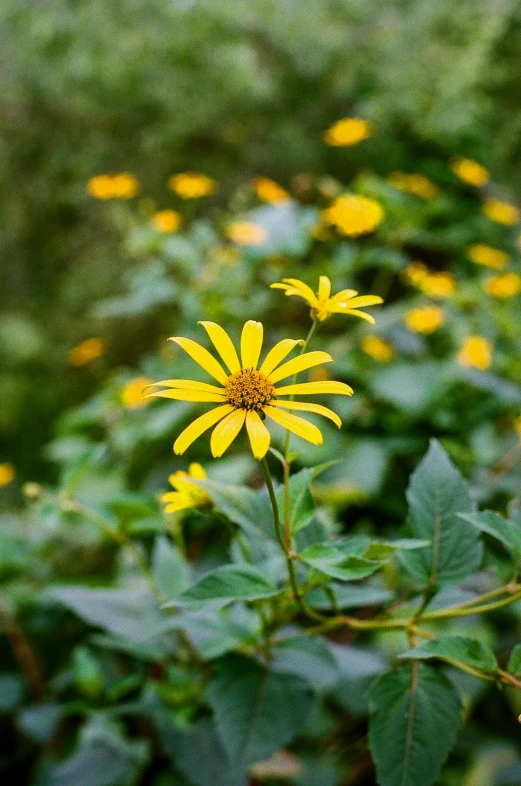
{"x":192,"y":185}
{"x":488,"y":256}
{"x":131,"y":393}
{"x":88,"y":350}
{"x":470,"y":171}
{"x":7,"y":473}
{"x":269,"y":191}
{"x":166,"y":221}
{"x":504,"y":285}
{"x":248,"y":394}
{"x":187,"y":494}
{"x":501,"y":212}
{"x":246,"y":234}
{"x":353,"y":215}
{"x":377,"y":348}
{"x":416,"y":184}
{"x":110,"y":186}
{"x":348,"y":131}
{"x":323,"y":305}
{"x":475,"y":352}
{"x":425,"y":319}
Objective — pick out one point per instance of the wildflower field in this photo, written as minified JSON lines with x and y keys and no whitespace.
{"x":260,"y":468}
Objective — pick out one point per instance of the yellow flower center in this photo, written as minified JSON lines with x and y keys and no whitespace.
{"x":249,"y":389}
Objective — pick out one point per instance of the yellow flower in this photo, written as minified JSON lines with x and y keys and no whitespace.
{"x":377,"y":348}
{"x":416,"y":184}
{"x":503,"y":286}
{"x":353,"y":215}
{"x":88,"y":350}
{"x":166,"y":221}
{"x":470,"y":171}
{"x":245,"y":234}
{"x":192,"y":185}
{"x":348,"y":131}
{"x":437,"y":285}
{"x":415,"y":272}
{"x":247,"y":394}
{"x":488,"y":256}
{"x":7,"y":473}
{"x":132,"y":393}
{"x":517,"y":426}
{"x":323,"y":305}
{"x":475,"y":352}
{"x":425,"y":319}
{"x":119,"y":186}
{"x":501,"y":212}
{"x":187,"y":494}
{"x":269,"y":191}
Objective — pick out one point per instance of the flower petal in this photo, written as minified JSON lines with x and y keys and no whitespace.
{"x":277,"y":355}
{"x":360,"y":302}
{"x":343,"y":295}
{"x":361,"y":314}
{"x":311,"y":388}
{"x":251,"y":343}
{"x":225,"y":432}
{"x":203,"y":357}
{"x":223,"y":344}
{"x":308,"y":360}
{"x":189,"y":395}
{"x":324,"y":288}
{"x":303,"y":290}
{"x":299,"y":426}
{"x":182,"y":503}
{"x":199,"y":426}
{"x":258,"y":434}
{"x":186,"y":384}
{"x":304,"y":406}
{"x":195,"y":470}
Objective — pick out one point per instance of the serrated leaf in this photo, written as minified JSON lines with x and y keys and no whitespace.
{"x":514,"y":663}
{"x":229,"y":583}
{"x":450,"y":648}
{"x":169,"y":570}
{"x":415,"y":714}
{"x":504,"y":530}
{"x":338,"y":564}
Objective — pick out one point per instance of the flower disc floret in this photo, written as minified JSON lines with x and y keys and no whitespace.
{"x":249,"y":389}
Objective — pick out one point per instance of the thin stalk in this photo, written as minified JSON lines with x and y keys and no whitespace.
{"x":22,"y":651}
{"x":468,"y":610}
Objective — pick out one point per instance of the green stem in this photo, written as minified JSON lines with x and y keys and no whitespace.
{"x":273,"y":500}
{"x":465,"y":611}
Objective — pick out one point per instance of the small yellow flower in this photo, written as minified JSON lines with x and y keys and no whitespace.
{"x":377,"y":348}
{"x":187,"y":494}
{"x":415,"y":272}
{"x":488,"y":256}
{"x":246,"y":234}
{"x":119,"y":186}
{"x":348,"y":131}
{"x":517,"y":426}
{"x":247,"y":394}
{"x":353,"y":215}
{"x":7,"y":473}
{"x":88,"y":350}
{"x":192,"y":185}
{"x":437,"y":285}
{"x":503,"y":286}
{"x":416,"y":184}
{"x":166,"y":221}
{"x":269,"y":191}
{"x":470,"y":171}
{"x":323,"y":305}
{"x":501,"y":212}
{"x":131,"y":394}
{"x":475,"y":352}
{"x":425,"y":319}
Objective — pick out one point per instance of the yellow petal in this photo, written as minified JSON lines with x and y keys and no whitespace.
{"x":297,"y":425}
{"x":186,"y":384}
{"x":324,"y":288}
{"x":225,"y":432}
{"x":182,"y":503}
{"x":195,"y":470}
{"x":223,"y":344}
{"x":308,"y":360}
{"x":311,"y":388}
{"x":304,"y":406}
{"x":303,"y":290}
{"x":361,"y":314}
{"x":251,"y":343}
{"x":362,"y":301}
{"x":199,"y":426}
{"x":344,"y":294}
{"x":277,"y":355}
{"x":258,"y":434}
{"x":203,"y":357}
{"x":188,"y":395}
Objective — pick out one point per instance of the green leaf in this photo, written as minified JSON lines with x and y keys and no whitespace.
{"x":349,"y":596}
{"x":415,"y":714}
{"x":306,"y":657}
{"x":248,"y":509}
{"x":514,"y":664}
{"x":169,"y":570}
{"x":386,"y":548}
{"x":215,"y":633}
{"x":450,"y":648}
{"x":504,"y":530}
{"x":336,"y":563}
{"x":228,"y":583}
{"x":436,"y":494}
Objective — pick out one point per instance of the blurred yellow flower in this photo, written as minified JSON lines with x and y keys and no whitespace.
{"x":425,"y":319}
{"x":113,"y":186}
{"x":319,"y":374}
{"x":353,"y":215}
{"x":187,"y":494}
{"x":88,"y":350}
{"x":475,"y":352}
{"x":377,"y":348}
{"x":503,"y":286}
{"x":166,"y":221}
{"x":488,"y":256}
{"x":416,"y":184}
{"x":7,"y":473}
{"x":192,"y":185}
{"x":437,"y":285}
{"x":470,"y":171}
{"x":415,"y":272}
{"x":246,"y":234}
{"x":348,"y":131}
{"x":517,"y":426}
{"x":501,"y":212}
{"x":269,"y":191}
{"x":131,"y":394}
{"x":323,"y":305}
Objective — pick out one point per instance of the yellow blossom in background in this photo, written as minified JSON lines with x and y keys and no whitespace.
{"x":353,"y":215}
{"x":88,"y":350}
{"x":113,"y":186}
{"x":131,"y":394}
{"x":348,"y":131}
{"x":501,"y":212}
{"x":488,"y":256}
{"x":425,"y":319}
{"x":7,"y":473}
{"x":319,"y":374}
{"x":503,"y":286}
{"x":377,"y":348}
{"x":269,"y":191}
{"x":246,"y":234}
{"x":517,"y":426}
{"x":321,"y":232}
{"x":192,"y":185}
{"x":437,"y":285}
{"x":470,"y":171}
{"x":416,"y":184}
{"x":187,"y":494}
{"x":475,"y":352}
{"x":415,"y":272}
{"x":166,"y":221}
{"x":323,"y":305}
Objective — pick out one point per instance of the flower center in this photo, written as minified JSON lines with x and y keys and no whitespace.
{"x":249,"y":389}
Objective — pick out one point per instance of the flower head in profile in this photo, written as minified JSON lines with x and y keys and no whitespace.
{"x":504,"y":285}
{"x":348,"y":131}
{"x":353,"y":215}
{"x":377,"y":348}
{"x":269,"y":191}
{"x":166,"y":221}
{"x":247,"y":392}
{"x":475,"y":352}
{"x":187,"y":494}
{"x":470,"y":171}
{"x":481,"y":254}
{"x":416,"y":184}
{"x":501,"y":212}
{"x":323,"y":305}
{"x":425,"y":319}
{"x":131,"y":393}
{"x":192,"y":185}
